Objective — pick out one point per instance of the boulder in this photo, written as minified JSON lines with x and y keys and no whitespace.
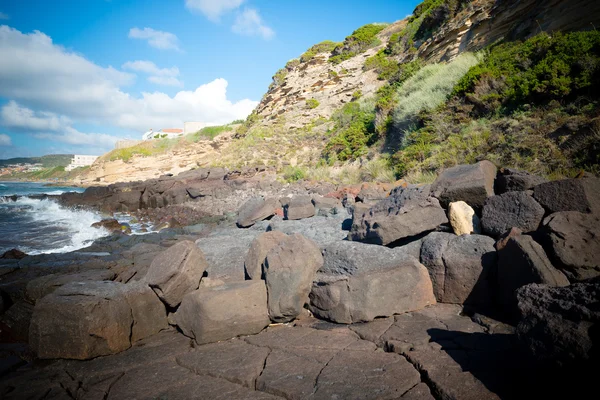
{"x":176,"y":271}
{"x":44,"y":285}
{"x":148,"y":312}
{"x":573,"y":243}
{"x":469,"y":183}
{"x":16,"y":320}
{"x":559,"y":324}
{"x":581,"y":195}
{"x":299,"y":207}
{"x":13,"y":254}
{"x":360,"y":282}
{"x":523,"y":261}
{"x":326,"y":205}
{"x":258,"y":251}
{"x":290,"y":268}
{"x":514,"y":180}
{"x":110,"y":225}
{"x":81,"y":321}
{"x":322,"y":230}
{"x":506,"y":236}
{"x":256,"y":209}
{"x":406,"y":212}
{"x":461,"y":267}
{"x":223,"y":312}
{"x":463,"y":219}
{"x":511,"y":209}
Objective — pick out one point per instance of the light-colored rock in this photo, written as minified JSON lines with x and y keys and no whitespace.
{"x":463,"y":219}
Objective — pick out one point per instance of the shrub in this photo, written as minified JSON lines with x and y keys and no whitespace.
{"x":279,"y":76}
{"x":357,"y":95}
{"x":209,"y":132}
{"x":293,"y":63}
{"x":354,"y":132}
{"x":382,"y":64}
{"x":358,"y":42}
{"x":326,"y":46}
{"x":378,"y":170}
{"x":332,"y":74}
{"x":293,"y":174}
{"x":312,"y":103}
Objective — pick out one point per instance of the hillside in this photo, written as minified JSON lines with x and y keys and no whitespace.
{"x":515,"y":82}
{"x":48,"y":161}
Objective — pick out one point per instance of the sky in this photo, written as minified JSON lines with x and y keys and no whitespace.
{"x":78,"y":75}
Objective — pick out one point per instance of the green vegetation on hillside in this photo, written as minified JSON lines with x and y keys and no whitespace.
{"x":358,"y":42}
{"x":48,"y":161}
{"x":326,"y":46}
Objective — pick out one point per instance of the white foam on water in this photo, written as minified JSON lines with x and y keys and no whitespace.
{"x":75,"y":223}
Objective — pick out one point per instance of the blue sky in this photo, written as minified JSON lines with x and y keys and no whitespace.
{"x":75,"y":75}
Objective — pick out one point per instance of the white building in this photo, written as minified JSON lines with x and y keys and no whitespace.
{"x":169,"y":133}
{"x":80,"y":161}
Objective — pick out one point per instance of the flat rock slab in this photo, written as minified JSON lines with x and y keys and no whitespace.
{"x":322,"y":230}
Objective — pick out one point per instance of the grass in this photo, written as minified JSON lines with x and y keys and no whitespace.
{"x":312,"y":103}
{"x":326,"y":46}
{"x":358,"y":42}
{"x":209,"y":133}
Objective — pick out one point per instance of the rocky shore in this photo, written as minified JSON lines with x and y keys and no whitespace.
{"x":484,"y":284}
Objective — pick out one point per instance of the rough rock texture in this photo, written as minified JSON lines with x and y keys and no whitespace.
{"x":406,"y":212}
{"x":44,"y":285}
{"x":520,"y":262}
{"x":469,"y":183}
{"x":81,"y":321}
{"x":463,"y":219}
{"x":299,"y":207}
{"x":322,"y":230}
{"x":290,"y":268}
{"x":176,"y":271}
{"x":258,"y":251}
{"x":581,"y":195}
{"x":148,"y":312}
{"x":514,"y":180}
{"x":256,"y":209}
{"x":511,"y":210}
{"x":573,"y":242}
{"x":560,"y":324}
{"x":359,"y":282}
{"x":326,"y":205}
{"x":223,"y":312}
{"x":461,"y":267}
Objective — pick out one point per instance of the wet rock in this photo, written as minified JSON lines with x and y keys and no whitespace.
{"x":461,"y":267}
{"x":359,"y":282}
{"x":406,"y":212}
{"x":110,"y":224}
{"x":463,"y":219}
{"x":223,"y":312}
{"x":13,"y":254}
{"x":176,"y":271}
{"x":573,"y":243}
{"x":520,"y":262}
{"x":256,"y":209}
{"x":472,"y":184}
{"x":290,"y":268}
{"x":299,"y":207}
{"x":581,"y":195}
{"x":511,"y":209}
{"x":258,"y":251}
{"x":514,"y":180}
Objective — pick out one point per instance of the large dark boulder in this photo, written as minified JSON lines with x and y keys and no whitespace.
{"x":520,"y":262}
{"x":299,"y":207}
{"x":406,"y":212}
{"x":561,"y":325}
{"x":462,"y":268}
{"x":581,"y":195}
{"x":511,"y":210}
{"x":258,"y":251}
{"x":469,"y":183}
{"x":359,"y":282}
{"x":573,"y":242}
{"x":514,"y":180}
{"x":256,"y":209}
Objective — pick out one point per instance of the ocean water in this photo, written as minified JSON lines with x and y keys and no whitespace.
{"x":43,"y":226}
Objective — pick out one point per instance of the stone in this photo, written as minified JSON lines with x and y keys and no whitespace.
{"x":511,"y":210}
{"x":326,"y":204}
{"x":472,"y":184}
{"x":258,"y":251}
{"x":406,"y":212}
{"x":463,"y":219}
{"x":523,"y":261}
{"x":148,"y":312}
{"x":13,"y":254}
{"x":81,"y":321}
{"x":505,"y":237}
{"x":256,"y":209}
{"x":44,"y":285}
{"x":219,"y":313}
{"x":559,"y":324}
{"x":299,"y":207}
{"x":514,"y":180}
{"x":290,"y":268}
{"x":136,"y":261}
{"x":176,"y":271}
{"x":360,"y":282}
{"x":461,"y":267}
{"x":573,"y":243}
{"x":108,"y":224}
{"x":16,"y":321}
{"x":581,"y":195}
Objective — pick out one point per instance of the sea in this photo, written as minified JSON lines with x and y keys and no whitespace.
{"x":38,"y":226}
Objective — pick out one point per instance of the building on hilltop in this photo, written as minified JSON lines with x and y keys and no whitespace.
{"x":167,"y":133}
{"x":80,"y":161}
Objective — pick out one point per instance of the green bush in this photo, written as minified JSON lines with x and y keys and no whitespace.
{"x":326,"y":46}
{"x":279,"y":76}
{"x":541,"y":69}
{"x":354,"y":132}
{"x":312,"y":103}
{"x":210,"y":132}
{"x":385,"y":66}
{"x":357,"y":95}
{"x":293,"y":63}
{"x":293,"y":174}
{"x":358,"y":42}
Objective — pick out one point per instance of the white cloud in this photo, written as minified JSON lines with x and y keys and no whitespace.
{"x":213,"y":9}
{"x":5,"y":140}
{"x":40,"y":75}
{"x":250,"y":23}
{"x":160,"y":76}
{"x":3,"y":15}
{"x":158,"y":39}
